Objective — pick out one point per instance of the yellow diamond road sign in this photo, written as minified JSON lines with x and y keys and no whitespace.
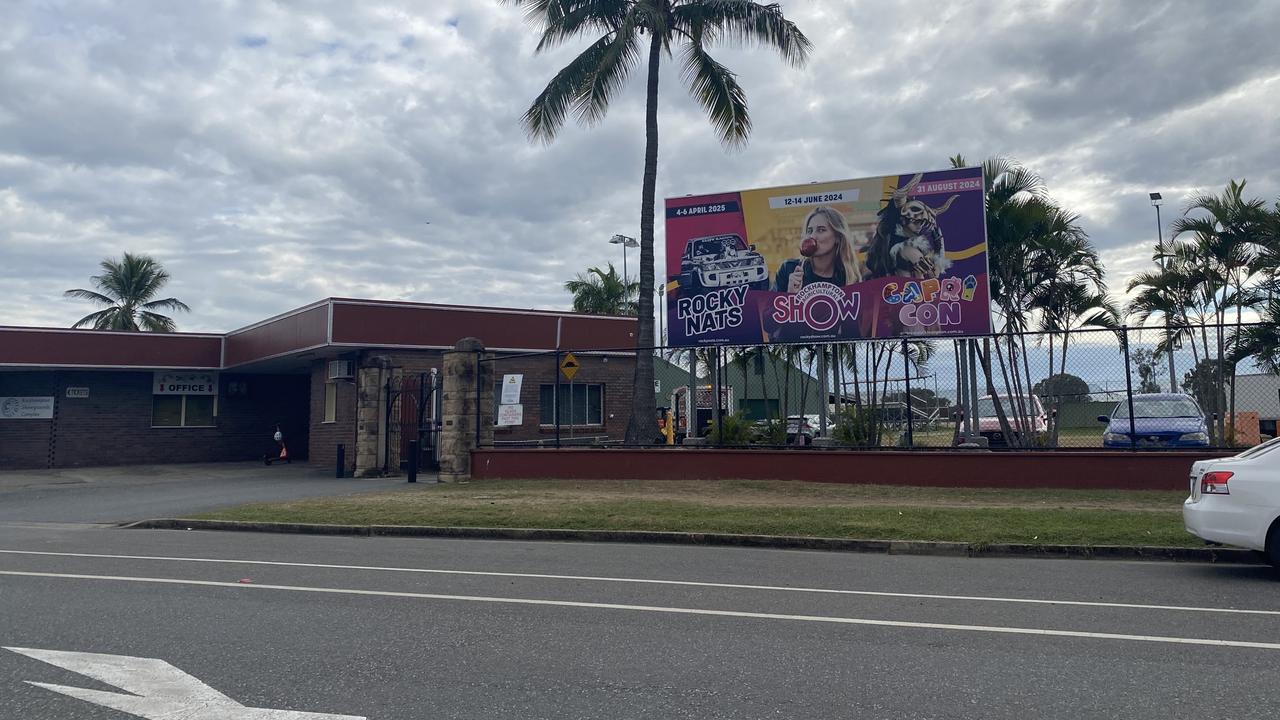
{"x":569,"y":366}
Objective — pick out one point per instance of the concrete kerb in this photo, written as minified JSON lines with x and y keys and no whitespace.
{"x":890,"y":547}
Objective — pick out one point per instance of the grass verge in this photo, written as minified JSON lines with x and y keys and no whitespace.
{"x":1040,"y":517}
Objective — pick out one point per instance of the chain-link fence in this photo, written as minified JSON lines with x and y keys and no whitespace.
{"x":1094,"y":389}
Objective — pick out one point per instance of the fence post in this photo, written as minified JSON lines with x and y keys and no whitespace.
{"x":717,"y":401}
{"x":1128,"y":387}
{"x":412,"y":469}
{"x":342,"y":460}
{"x":906,"y":376}
{"x":555,"y":400}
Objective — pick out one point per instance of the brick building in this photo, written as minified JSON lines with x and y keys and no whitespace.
{"x":337,"y":372}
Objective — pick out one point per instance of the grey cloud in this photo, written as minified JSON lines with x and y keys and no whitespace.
{"x":271,"y":155}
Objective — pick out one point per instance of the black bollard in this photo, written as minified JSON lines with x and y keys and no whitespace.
{"x":413,"y":461}
{"x":342,"y":460}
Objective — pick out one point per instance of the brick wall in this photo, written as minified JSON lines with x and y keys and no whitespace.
{"x":26,"y":443}
{"x":325,"y":437}
{"x":616,"y":373}
{"x":113,"y":425}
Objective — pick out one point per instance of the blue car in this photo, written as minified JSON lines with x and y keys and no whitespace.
{"x":1160,"y":420}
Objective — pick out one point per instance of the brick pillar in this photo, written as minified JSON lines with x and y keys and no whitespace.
{"x":458,"y":434}
{"x":371,"y":396}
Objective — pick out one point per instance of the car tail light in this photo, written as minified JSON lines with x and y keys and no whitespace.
{"x":1215,"y":483}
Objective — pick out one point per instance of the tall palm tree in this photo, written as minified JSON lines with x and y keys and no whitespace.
{"x":1229,"y":236}
{"x":1262,"y":341}
{"x":1037,"y":251}
{"x":1074,"y":307}
{"x":127,"y":288}
{"x":622,"y":29}
{"x":603,"y":292}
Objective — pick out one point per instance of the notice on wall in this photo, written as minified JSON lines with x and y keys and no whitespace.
{"x":510,"y":415}
{"x":26,"y":408}
{"x":185,"y":383}
{"x":511,"y":389}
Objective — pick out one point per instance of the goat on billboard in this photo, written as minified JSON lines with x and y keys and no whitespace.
{"x":877,"y":258}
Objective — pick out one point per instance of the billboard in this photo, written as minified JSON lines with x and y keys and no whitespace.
{"x":876,"y":258}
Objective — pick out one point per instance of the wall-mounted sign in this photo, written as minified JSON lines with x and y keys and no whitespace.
{"x":510,"y":415}
{"x":185,"y":383}
{"x":78,"y":392}
{"x":511,"y":389}
{"x":26,"y":408}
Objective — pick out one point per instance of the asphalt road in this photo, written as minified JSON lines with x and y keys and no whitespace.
{"x":385,"y":628}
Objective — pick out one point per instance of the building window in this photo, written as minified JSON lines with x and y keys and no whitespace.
{"x":183,"y":410}
{"x":330,"y":402}
{"x":580,"y":404}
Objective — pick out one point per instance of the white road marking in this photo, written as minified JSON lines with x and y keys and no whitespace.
{"x":668,"y":610}
{"x":678,"y":583}
{"x":159,"y":691}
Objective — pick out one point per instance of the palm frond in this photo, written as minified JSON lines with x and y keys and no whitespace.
{"x":91,"y":296}
{"x":545,"y":117}
{"x":154,"y":322}
{"x":716,"y":89}
{"x":746,"y":23}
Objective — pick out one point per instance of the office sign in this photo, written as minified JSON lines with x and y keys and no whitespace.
{"x":185,"y":383}
{"x":510,"y":415}
{"x":511,"y":385}
{"x":26,"y":408}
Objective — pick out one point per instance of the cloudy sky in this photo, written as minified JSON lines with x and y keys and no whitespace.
{"x":271,"y":154}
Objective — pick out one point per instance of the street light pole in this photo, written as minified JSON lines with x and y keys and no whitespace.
{"x":1156,"y":201}
{"x":662,"y":311}
{"x":625,"y":242}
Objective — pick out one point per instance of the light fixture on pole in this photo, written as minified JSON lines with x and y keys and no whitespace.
{"x":1156,"y":201}
{"x":625,"y":242}
{"x":660,"y":291}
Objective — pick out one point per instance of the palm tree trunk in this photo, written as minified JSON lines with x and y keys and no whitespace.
{"x":643,"y":408}
{"x":1235,"y":349}
{"x":983,"y":354}
{"x":1220,"y":315}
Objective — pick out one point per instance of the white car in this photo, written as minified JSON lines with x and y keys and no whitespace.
{"x":1236,"y":500}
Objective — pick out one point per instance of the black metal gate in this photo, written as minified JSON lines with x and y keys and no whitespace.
{"x":413,"y":413}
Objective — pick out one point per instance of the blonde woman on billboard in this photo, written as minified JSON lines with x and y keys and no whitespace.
{"x":827,"y":254}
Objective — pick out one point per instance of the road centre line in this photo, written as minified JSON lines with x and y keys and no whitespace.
{"x":644,"y":581}
{"x":668,"y":610}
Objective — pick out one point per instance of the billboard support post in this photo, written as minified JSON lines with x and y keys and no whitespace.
{"x":691,"y":397}
{"x":826,"y":396}
{"x":973,"y":387}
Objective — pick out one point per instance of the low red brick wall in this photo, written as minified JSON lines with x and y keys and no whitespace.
{"x":1085,"y":470}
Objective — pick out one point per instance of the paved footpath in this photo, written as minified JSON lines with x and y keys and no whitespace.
{"x":136,"y":492}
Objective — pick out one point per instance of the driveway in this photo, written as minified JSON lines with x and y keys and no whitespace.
{"x":137,"y":492}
